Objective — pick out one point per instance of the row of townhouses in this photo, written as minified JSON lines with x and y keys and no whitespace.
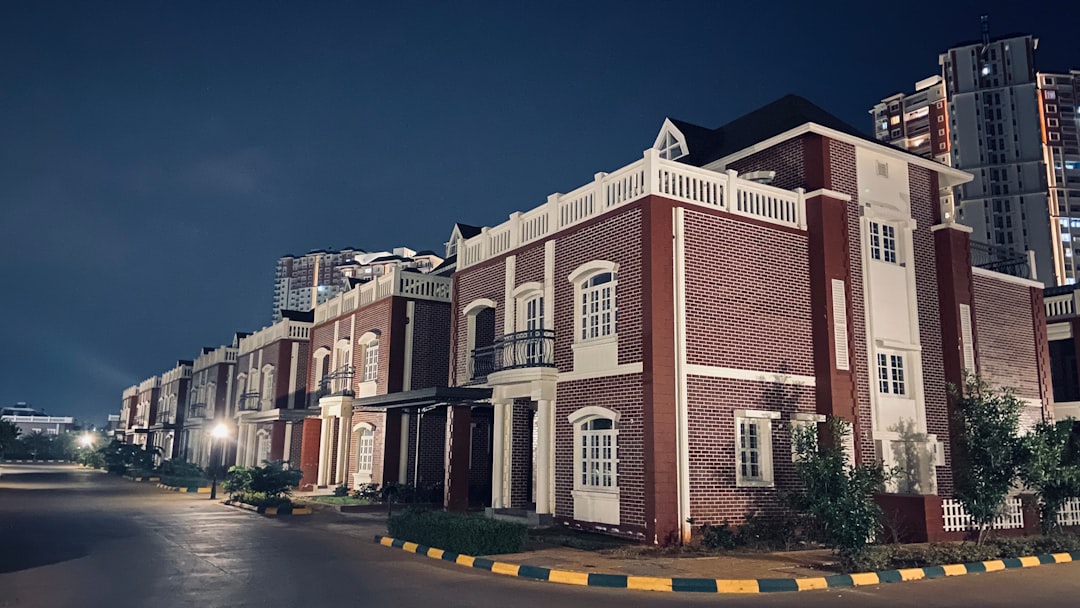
{"x":632,"y":355}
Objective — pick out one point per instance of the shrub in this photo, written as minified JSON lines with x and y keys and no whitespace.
{"x":342,"y":490}
{"x":1051,"y":467}
{"x":838,"y":494}
{"x":719,"y":537}
{"x":260,"y":499}
{"x":179,"y":468}
{"x":890,"y":557}
{"x":468,"y":534}
{"x":369,"y":492}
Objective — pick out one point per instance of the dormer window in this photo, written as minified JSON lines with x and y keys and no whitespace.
{"x":670,"y":147}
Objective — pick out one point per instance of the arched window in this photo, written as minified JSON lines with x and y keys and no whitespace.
{"x":365,"y":452}
{"x":596,"y":452}
{"x":595,"y":296}
{"x":267,"y":387}
{"x":370,"y":342}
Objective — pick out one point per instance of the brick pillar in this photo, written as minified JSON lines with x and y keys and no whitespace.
{"x":458,"y":450}
{"x":277,"y":440}
{"x":662,"y":524}
{"x":830,"y":301}
{"x":391,"y":457}
{"x":309,"y":452}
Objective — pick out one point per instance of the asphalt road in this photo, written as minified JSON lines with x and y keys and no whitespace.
{"x":76,"y":538}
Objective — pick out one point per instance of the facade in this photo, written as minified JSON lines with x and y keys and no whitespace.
{"x":917,"y":122}
{"x":386,"y":335}
{"x":210,"y":398}
{"x":1059,"y":104}
{"x":651,"y":338}
{"x":128,"y":408}
{"x":270,"y":400}
{"x":146,"y":410}
{"x":30,"y":420}
{"x":1063,"y":333}
{"x":172,"y":407}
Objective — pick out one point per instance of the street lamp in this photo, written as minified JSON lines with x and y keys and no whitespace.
{"x":86,"y":440}
{"x":219,"y":433}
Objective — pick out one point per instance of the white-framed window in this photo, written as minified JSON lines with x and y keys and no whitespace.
{"x":598,"y":307}
{"x":670,"y":147}
{"x":753,"y":448}
{"x":891,"y":379}
{"x":598,"y":457}
{"x":883,"y":242}
{"x":799,"y":422}
{"x":365,"y":450}
{"x":267,"y":393}
{"x":371,"y":361}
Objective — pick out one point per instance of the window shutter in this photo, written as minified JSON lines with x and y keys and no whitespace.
{"x":840,"y":324}
{"x":967,"y":342}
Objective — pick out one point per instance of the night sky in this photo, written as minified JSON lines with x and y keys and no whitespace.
{"x":157,"y":158}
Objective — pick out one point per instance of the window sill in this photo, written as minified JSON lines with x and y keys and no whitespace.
{"x":595,"y":493}
{"x":749,"y":483}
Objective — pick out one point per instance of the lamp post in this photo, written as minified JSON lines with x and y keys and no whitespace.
{"x":219,"y":433}
{"x":86,"y":441}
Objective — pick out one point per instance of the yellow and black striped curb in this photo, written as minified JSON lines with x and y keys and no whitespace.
{"x":714,"y":585}
{"x":271,"y":511}
{"x":133,"y":478}
{"x":189,"y":490}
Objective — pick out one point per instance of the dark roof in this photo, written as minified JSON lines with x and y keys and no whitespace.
{"x":180,"y":362}
{"x":354,"y":281}
{"x":386,"y":258}
{"x":784,"y":114}
{"x":446,"y":268}
{"x":304,"y":316}
{"x":468,"y":231}
{"x":428,"y":252}
{"x":1059,"y":290}
{"x":206,"y":350}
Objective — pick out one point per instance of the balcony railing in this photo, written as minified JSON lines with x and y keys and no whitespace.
{"x":338,"y":382}
{"x":249,"y":402}
{"x":1000,"y":259}
{"x":530,"y":348}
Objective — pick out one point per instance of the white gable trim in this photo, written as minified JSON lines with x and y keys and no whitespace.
{"x":669,"y":127}
{"x":951,"y":176}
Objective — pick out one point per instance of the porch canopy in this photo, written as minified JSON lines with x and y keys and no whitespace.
{"x":459,"y":402}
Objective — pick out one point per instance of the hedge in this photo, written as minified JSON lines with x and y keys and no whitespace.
{"x":468,"y":534}
{"x":891,"y":557}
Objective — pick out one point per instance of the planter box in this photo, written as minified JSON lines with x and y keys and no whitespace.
{"x":272,"y":511}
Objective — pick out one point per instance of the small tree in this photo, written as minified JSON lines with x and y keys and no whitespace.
{"x":9,"y":435}
{"x":988,"y":450}
{"x":838,"y":493}
{"x":1051,"y":467}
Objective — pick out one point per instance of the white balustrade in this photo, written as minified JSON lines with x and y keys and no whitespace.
{"x":405,"y":284}
{"x":956,"y":518}
{"x":1060,"y":306}
{"x":648,"y":176}
{"x":283,"y":329}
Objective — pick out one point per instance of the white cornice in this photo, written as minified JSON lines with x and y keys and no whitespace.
{"x":953,"y":177}
{"x":1008,"y":278}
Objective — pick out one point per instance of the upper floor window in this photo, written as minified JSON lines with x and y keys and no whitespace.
{"x":891,"y":379}
{"x":371,"y":361}
{"x":883,"y":242}
{"x":670,"y":147}
{"x":598,"y":309}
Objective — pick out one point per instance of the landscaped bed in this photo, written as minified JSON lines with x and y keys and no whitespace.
{"x":338,"y":500}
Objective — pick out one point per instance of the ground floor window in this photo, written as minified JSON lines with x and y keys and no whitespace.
{"x":753,"y":448}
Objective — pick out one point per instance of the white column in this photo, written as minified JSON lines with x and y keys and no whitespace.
{"x":403,"y":457}
{"x":252,"y":446}
{"x":497,"y":465}
{"x":286,"y":453}
{"x":241,"y":443}
{"x":324,"y":451}
{"x":543,"y":457}
{"x":343,"y":448}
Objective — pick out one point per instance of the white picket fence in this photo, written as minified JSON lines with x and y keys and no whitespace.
{"x":958,"y":520}
{"x":1069,"y":515}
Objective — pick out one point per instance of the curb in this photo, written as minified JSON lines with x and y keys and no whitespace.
{"x":713,"y":585}
{"x":270,"y":511}
{"x":132,"y":478}
{"x":190,"y":490}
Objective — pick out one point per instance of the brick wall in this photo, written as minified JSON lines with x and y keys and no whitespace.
{"x":1005,"y":340}
{"x":378,"y":421}
{"x":713,"y":495}
{"x":484,"y":281}
{"x":431,"y":344}
{"x":785,"y":158}
{"x":521,"y":459}
{"x":622,"y":394}
{"x":924,"y":200}
{"x":432,"y":448}
{"x":747,"y":296}
{"x":296,"y":445}
{"x":375,"y":317}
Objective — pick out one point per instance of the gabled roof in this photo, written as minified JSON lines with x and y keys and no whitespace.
{"x":467,"y":231}
{"x":791,"y":111}
{"x":303,"y":316}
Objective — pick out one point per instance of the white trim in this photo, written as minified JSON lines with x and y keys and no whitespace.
{"x":898,"y":345}
{"x":732,"y":373}
{"x":476,"y":306}
{"x":410,"y":324}
{"x":669,"y":127}
{"x":757,"y":414}
{"x":527,"y":289}
{"x":682,"y":394}
{"x":619,"y":370}
{"x":829,"y":193}
{"x":509,"y":316}
{"x":588,"y":269}
{"x":592,"y":411}
{"x":1008,"y":278}
{"x":1058,"y":331}
{"x":960,"y":227}
{"x":808,"y":417}
{"x":962,"y":177}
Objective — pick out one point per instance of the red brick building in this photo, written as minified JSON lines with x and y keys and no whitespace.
{"x":651,"y":338}
{"x":129,"y":406}
{"x":209,"y":404}
{"x":386,"y":335}
{"x":172,"y":405}
{"x":145,"y":413}
{"x":270,"y":399}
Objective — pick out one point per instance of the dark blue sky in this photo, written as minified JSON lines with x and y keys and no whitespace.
{"x":156,"y":158}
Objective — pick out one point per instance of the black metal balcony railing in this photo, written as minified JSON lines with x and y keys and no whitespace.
{"x":530,"y":348}
{"x":249,"y":402}
{"x":337,"y":382}
{"x":197,"y":410}
{"x":1000,"y":259}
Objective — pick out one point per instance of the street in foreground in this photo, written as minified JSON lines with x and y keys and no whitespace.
{"x":73,"y":537}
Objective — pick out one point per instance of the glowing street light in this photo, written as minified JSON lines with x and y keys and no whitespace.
{"x":86,"y":441}
{"x":219,"y":433}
